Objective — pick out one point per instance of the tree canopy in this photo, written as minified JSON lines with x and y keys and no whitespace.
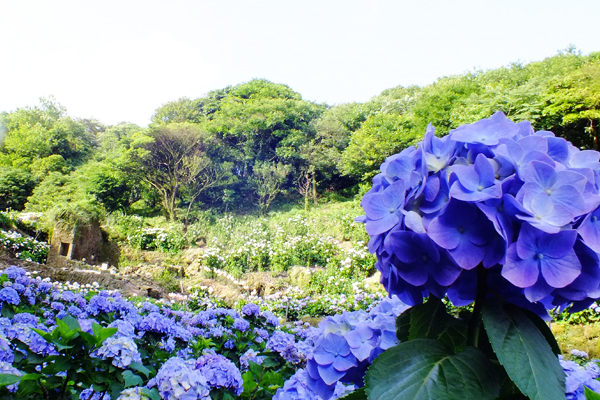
{"x":253,"y":144}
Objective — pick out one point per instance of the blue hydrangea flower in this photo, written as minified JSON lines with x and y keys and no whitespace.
{"x":10,"y":296}
{"x":538,"y":253}
{"x":250,"y":355}
{"x":85,"y":395}
{"x":155,"y":322}
{"x":7,"y":368}
{"x":279,"y":341}
{"x":220,"y":373}
{"x":122,"y":350}
{"x":241,"y":324}
{"x":251,"y":310}
{"x":178,"y":380}
{"x":578,"y":377}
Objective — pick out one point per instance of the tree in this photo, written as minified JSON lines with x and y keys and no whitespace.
{"x":16,"y":184}
{"x":181,"y":110}
{"x":379,"y":137}
{"x":267,"y":179}
{"x":575,"y":100}
{"x":175,"y":157}
{"x":39,"y":132}
{"x":260,"y":121}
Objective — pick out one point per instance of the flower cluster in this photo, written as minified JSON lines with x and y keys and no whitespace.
{"x":578,"y":377}
{"x":24,"y":247}
{"x":522,"y":204}
{"x":348,"y":343}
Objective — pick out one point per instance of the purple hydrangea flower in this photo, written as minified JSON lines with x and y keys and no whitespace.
{"x":241,"y":324}
{"x":250,"y":355}
{"x":251,"y":310}
{"x":220,"y":373}
{"x":537,"y":254}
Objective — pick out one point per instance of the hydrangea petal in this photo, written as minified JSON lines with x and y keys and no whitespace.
{"x":519,"y":272}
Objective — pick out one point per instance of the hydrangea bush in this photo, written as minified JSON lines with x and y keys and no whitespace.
{"x":496,"y":214}
{"x":24,"y":247}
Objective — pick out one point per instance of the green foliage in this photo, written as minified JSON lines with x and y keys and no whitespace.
{"x":524,"y":352}
{"x":379,"y":137}
{"x":267,"y":179}
{"x":16,"y":184}
{"x":167,"y":240}
{"x":39,"y":132}
{"x":24,"y":247}
{"x":424,"y":369}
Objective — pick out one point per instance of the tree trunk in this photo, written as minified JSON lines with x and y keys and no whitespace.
{"x":314,"y":188}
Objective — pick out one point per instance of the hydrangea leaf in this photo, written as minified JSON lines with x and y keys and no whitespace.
{"x":431,"y":321}
{"x":8,"y":379}
{"x":140,"y":368}
{"x":424,"y":369}
{"x":132,"y":379}
{"x":358,"y":394}
{"x":524,"y":352}
{"x":589,"y":394}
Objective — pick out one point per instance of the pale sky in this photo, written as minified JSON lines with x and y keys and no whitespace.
{"x":119,"y":60}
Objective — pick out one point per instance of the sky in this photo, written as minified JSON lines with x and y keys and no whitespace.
{"x":119,"y":60}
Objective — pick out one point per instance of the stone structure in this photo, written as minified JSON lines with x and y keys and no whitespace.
{"x":85,"y":243}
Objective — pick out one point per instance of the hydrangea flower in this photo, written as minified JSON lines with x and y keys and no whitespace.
{"x":122,"y":350}
{"x":133,"y":394}
{"x":7,"y":368}
{"x":250,"y":355}
{"x":578,"y":377}
{"x":251,"y":310}
{"x":85,"y":395}
{"x":241,"y":324}
{"x":10,"y":296}
{"x":496,"y":194}
{"x":348,"y":343}
{"x":178,"y":380}
{"x":220,"y":373}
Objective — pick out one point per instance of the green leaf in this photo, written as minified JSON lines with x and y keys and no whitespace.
{"x":424,"y":369}
{"x":140,"y":368}
{"x":426,"y":319}
{"x":131,"y":379}
{"x":152,"y":393}
{"x":8,"y":379}
{"x":71,"y":322}
{"x":46,"y":336}
{"x":249,"y":384}
{"x":544,"y":329}
{"x":431,"y":321}
{"x":67,"y":329}
{"x":89,"y":339}
{"x":30,"y":377}
{"x":358,"y":394}
{"x":523,"y":352}
{"x":403,"y":326}
{"x":7,"y":310}
{"x":103,"y":333}
{"x":590,"y":394}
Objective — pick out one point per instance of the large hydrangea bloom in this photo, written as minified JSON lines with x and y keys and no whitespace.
{"x":523,"y":204}
{"x":346,"y":345}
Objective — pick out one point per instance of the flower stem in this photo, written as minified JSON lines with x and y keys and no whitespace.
{"x":480,"y":296}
